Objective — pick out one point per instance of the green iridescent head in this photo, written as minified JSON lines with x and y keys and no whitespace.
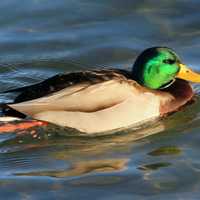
{"x":156,"y":67}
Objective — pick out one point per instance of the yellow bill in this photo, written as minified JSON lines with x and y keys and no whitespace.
{"x":187,"y":74}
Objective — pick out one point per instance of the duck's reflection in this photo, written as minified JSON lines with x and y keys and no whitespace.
{"x":84,"y":167}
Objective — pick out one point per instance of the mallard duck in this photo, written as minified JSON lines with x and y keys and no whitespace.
{"x":109,"y":99}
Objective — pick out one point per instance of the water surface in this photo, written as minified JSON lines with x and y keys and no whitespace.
{"x":39,"y":38}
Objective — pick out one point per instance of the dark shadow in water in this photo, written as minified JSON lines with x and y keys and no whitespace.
{"x":167,"y":150}
{"x":154,"y":166}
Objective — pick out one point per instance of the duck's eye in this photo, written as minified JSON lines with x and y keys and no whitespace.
{"x":169,"y":61}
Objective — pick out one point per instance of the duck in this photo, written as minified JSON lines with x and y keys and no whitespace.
{"x":101,"y":100}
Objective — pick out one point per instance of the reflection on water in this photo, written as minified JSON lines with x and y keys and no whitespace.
{"x":40,"y":38}
{"x":84,"y":167}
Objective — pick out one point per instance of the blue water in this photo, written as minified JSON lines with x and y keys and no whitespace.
{"x":39,"y":38}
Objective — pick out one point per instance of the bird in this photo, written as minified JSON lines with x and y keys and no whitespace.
{"x":101,"y":100}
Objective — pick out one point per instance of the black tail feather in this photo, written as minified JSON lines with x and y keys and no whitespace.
{"x":8,"y":111}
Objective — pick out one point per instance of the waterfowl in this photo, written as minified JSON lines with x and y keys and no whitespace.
{"x":109,"y":99}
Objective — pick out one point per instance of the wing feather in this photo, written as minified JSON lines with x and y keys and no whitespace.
{"x":87,"y":91}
